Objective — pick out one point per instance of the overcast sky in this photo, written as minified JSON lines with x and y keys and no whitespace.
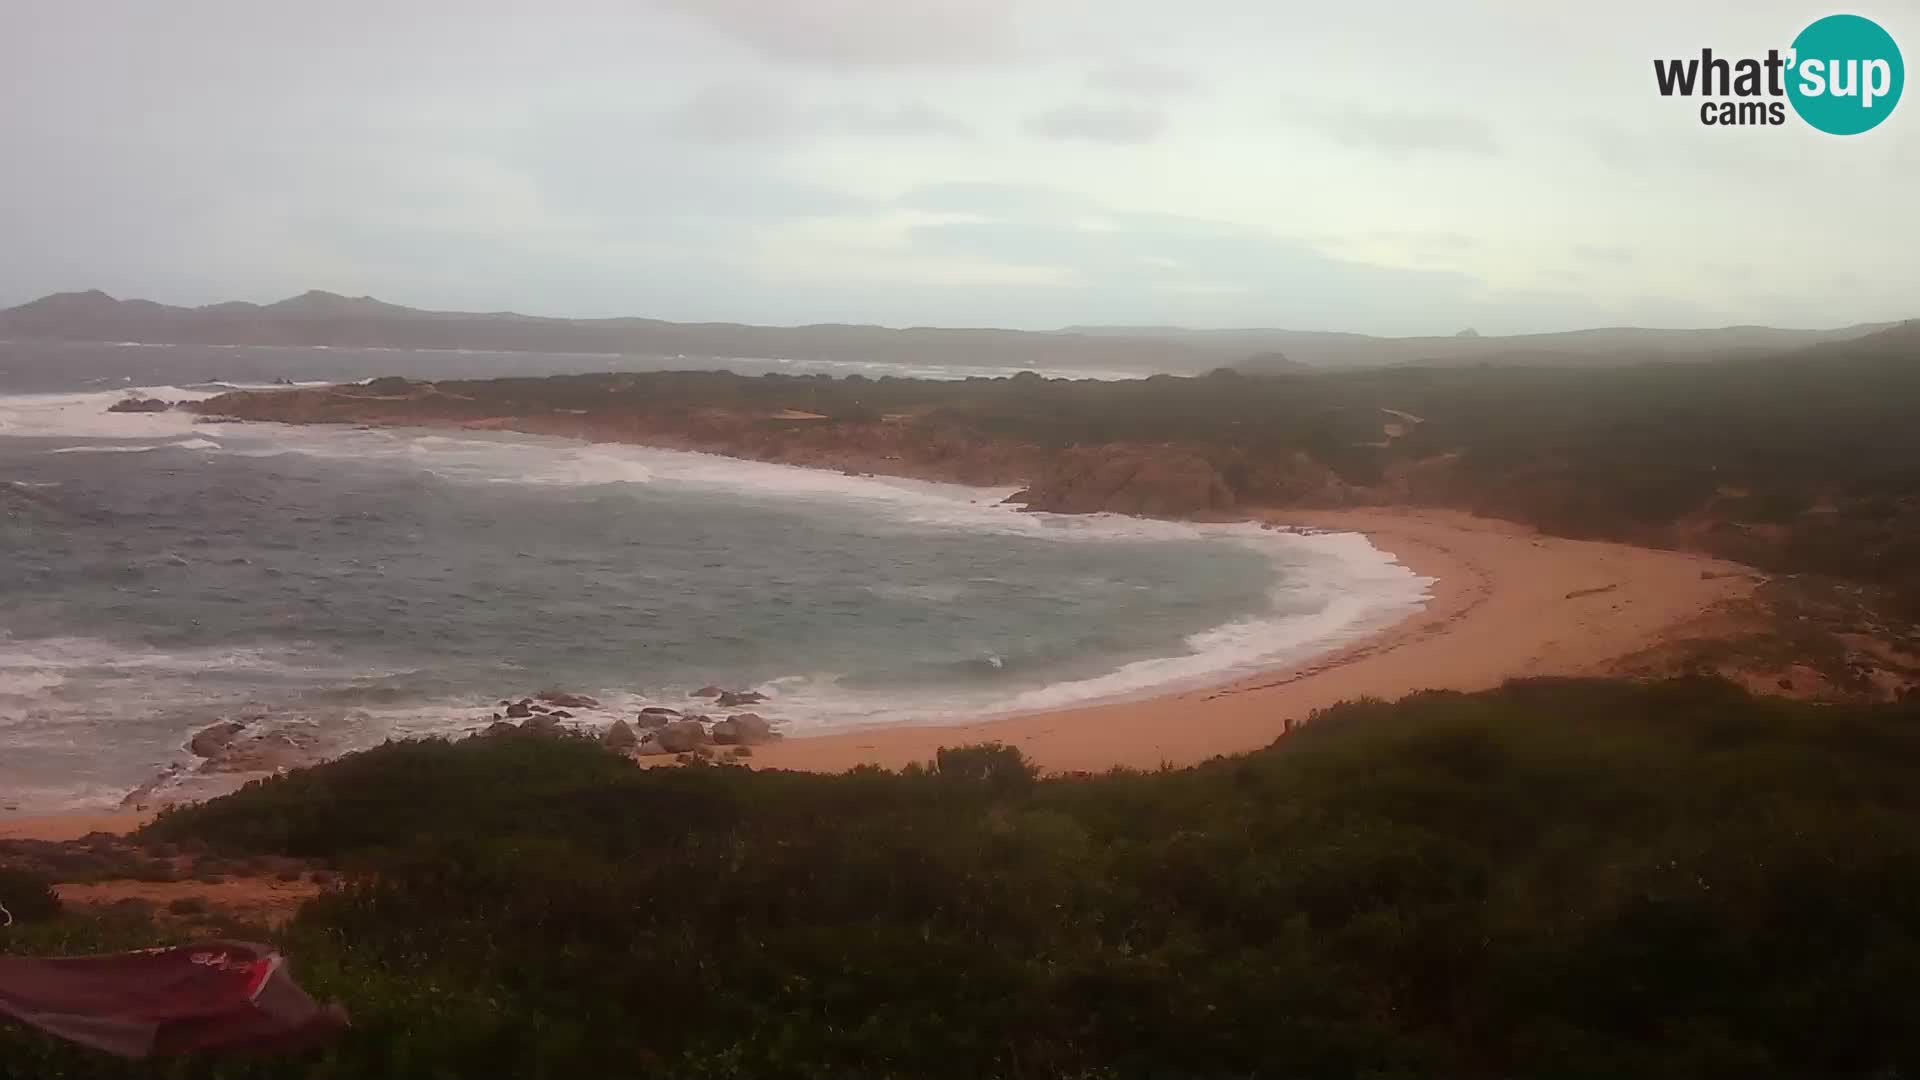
{"x":1394,"y":168}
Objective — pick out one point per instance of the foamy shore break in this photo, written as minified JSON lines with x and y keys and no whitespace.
{"x":1505,"y":602}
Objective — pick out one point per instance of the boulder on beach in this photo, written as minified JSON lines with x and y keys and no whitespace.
{"x":518,"y":711}
{"x":733,"y":699}
{"x":498,"y":728}
{"x":620,"y":737}
{"x":681,"y":736}
{"x":655,"y":720}
{"x":650,"y":746}
{"x":564,"y":700}
{"x":707,"y":691}
{"x":541,"y":725}
{"x":743,"y":730}
{"x":210,"y":741}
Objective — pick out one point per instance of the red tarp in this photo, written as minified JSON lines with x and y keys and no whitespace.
{"x":217,"y":996}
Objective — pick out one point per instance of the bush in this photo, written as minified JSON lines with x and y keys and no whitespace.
{"x":1560,"y":877}
{"x":28,"y":896}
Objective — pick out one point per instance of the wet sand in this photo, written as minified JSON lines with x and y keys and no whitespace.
{"x":1506,"y":603}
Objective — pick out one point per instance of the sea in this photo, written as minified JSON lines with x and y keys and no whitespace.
{"x":158,"y":575}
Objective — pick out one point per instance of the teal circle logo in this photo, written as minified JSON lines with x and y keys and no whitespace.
{"x":1846,"y":75}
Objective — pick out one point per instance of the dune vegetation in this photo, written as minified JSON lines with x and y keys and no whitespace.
{"x":1558,"y":878}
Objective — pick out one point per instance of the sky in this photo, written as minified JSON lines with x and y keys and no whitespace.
{"x":1381,"y":167}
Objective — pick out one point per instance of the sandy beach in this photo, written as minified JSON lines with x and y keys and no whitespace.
{"x":69,"y":826}
{"x":1506,"y":602}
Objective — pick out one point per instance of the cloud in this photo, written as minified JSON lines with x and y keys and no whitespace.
{"x":1645,"y":154}
{"x":733,"y":112}
{"x":581,"y":175}
{"x":1113,"y":124}
{"x":1142,"y":79}
{"x":1147,"y":267}
{"x":754,"y":112}
{"x":1602,"y":253}
{"x":901,"y":121}
{"x":1003,"y":201}
{"x":861,"y":33}
{"x":1432,"y":240}
{"x":1396,"y":132}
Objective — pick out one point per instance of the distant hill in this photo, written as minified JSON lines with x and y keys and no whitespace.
{"x":323,"y":318}
{"x":1573,"y":348}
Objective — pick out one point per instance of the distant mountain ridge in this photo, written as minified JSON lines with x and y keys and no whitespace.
{"x":324,"y":318}
{"x":1591,"y":347}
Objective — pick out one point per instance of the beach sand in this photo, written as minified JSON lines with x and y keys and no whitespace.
{"x":1506,"y":602}
{"x":69,"y":826}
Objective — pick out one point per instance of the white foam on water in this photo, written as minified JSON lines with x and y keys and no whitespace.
{"x":59,"y":655}
{"x":85,"y":416}
{"x":1355,"y":590}
{"x":125,"y":711}
{"x":27,"y":683}
{"x":1331,"y":589}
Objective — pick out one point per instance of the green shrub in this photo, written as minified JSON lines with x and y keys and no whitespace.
{"x":28,"y":896}
{"x":1557,"y":878}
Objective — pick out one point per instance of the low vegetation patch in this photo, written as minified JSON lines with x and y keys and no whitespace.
{"x":1555,"y":879}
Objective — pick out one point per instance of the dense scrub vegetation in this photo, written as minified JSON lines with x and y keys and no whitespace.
{"x":1556,"y":879}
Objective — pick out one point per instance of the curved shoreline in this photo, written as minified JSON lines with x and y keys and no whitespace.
{"x":1506,"y":603}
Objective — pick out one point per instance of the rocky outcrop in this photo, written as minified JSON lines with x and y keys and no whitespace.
{"x":139,"y":405}
{"x":707,"y":691}
{"x":678,"y":737}
{"x":620,"y":737}
{"x":564,"y":700}
{"x":746,"y":729}
{"x":519,"y":710}
{"x":269,"y":751}
{"x":733,"y":699}
{"x":1148,"y":481}
{"x":210,"y":741}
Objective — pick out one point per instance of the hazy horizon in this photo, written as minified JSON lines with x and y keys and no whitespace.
{"x":1386,"y":169}
{"x":1144,"y":328}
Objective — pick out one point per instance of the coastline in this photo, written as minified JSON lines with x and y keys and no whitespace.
{"x":1506,"y":602}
